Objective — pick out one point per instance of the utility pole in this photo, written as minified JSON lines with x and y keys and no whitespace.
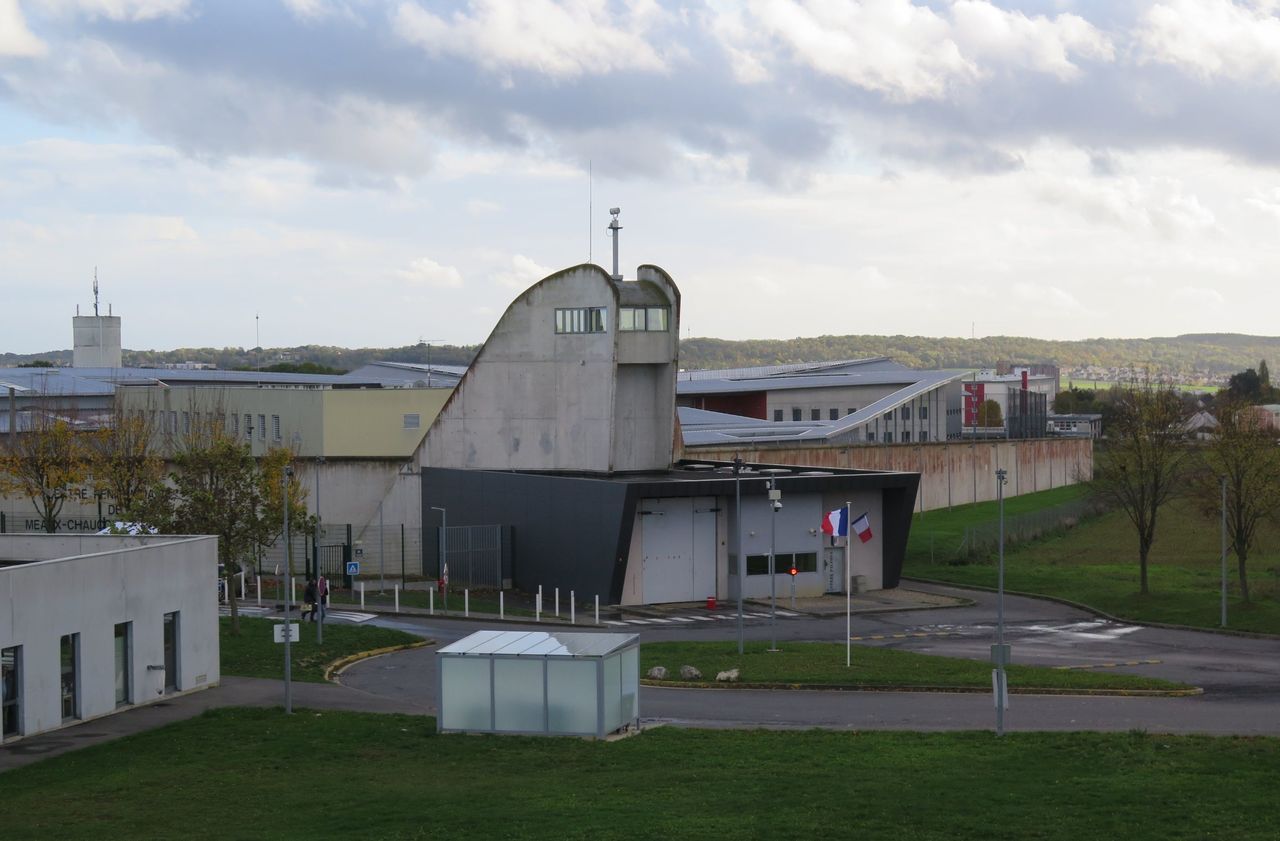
{"x":288,"y":598}
{"x":1000,"y":653}
{"x":742,"y":558}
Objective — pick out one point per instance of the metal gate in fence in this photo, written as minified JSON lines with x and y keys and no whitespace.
{"x":331,"y":560}
{"x":474,"y":555}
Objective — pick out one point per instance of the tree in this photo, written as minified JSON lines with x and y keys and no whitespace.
{"x":1264,"y":376}
{"x":44,"y":463}
{"x":989,"y":414}
{"x":1140,"y":467}
{"x":220,"y":488}
{"x":125,"y":466}
{"x":1246,"y":455}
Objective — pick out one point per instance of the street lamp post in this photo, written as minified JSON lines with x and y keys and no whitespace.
{"x":1000,"y":650}
{"x":1224,"y":551}
{"x":742,"y":558}
{"x":288,"y":599}
{"x":775,"y":503}
{"x":444,"y":548}
{"x":315,"y":556}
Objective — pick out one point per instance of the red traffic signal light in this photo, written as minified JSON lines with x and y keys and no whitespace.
{"x":794,"y":570}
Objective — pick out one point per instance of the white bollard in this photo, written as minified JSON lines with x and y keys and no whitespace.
{"x":397,"y":593}
{"x":572,"y":610}
{"x":557,"y":602}
{"x":293,"y":588}
{"x":242,"y":594}
{"x":226,"y":593}
{"x":537,"y":605}
{"x":258,"y":579}
{"x":597,"y":608}
{"x":362,"y":595}
{"x":502,"y":608}
{"x":431,"y":601}
{"x":466,"y":602}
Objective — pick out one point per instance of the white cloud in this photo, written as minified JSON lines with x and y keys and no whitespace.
{"x":1212,"y":38}
{"x":427,"y":272}
{"x":123,"y":10}
{"x":522,"y":273}
{"x":557,"y":38}
{"x":907,"y":51}
{"x":15,"y":38}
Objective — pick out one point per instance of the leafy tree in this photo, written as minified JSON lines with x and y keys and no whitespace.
{"x":125,"y":465}
{"x":1139,"y":468}
{"x":220,"y":488}
{"x":989,"y":414}
{"x":1246,"y":455}
{"x":1245,"y":387}
{"x":43,"y":464}
{"x":1264,"y":375}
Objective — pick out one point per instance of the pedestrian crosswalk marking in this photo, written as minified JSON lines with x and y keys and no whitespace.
{"x":349,"y":615}
{"x":1114,"y":665}
{"x":914,"y":634}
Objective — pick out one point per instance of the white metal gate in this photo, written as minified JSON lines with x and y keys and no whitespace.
{"x":678,"y":545}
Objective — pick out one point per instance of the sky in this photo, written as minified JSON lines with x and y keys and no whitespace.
{"x":372,"y":174}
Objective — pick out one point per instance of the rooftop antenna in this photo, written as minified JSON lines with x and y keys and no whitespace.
{"x":95,"y":290}
{"x":613,"y":229}
{"x":591,"y":231}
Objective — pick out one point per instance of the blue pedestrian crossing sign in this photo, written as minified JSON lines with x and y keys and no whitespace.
{"x":353,"y":567}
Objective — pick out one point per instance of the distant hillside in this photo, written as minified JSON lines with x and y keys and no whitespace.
{"x":1213,"y":354}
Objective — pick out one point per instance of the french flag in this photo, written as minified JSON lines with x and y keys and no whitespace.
{"x":836,"y":523}
{"x":862,"y":528}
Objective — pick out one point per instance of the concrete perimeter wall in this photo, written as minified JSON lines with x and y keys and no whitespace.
{"x":951,"y":473}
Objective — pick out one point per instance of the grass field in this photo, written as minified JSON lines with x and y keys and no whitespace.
{"x":824,"y":663}
{"x":241,"y":773}
{"x":1096,"y":563}
{"x":255,"y":654}
{"x":938,"y":534}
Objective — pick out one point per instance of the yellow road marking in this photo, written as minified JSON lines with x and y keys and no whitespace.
{"x":1108,"y":665}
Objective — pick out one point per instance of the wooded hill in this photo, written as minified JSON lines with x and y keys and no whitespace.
{"x":1212,"y":353}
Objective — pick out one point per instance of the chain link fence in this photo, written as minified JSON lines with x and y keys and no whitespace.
{"x":983,"y":539}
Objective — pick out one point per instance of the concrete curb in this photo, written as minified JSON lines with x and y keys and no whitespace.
{"x":960,"y":690}
{"x":1226,"y":632}
{"x":340,"y":665}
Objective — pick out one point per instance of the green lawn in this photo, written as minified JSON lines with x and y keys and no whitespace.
{"x":1096,"y":564}
{"x":249,"y":773}
{"x":938,"y":534}
{"x":255,"y":654}
{"x":824,"y":663}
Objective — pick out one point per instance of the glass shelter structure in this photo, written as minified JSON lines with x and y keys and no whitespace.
{"x":534,"y":682}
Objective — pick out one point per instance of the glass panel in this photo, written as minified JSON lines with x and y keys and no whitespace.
{"x":571,"y":696}
{"x":806,"y":561}
{"x":464,"y":683}
{"x":612,"y":693}
{"x":657,"y":319}
{"x":757,"y":564}
{"x":630,"y":684}
{"x":627,"y":318}
{"x":123,"y":696}
{"x":67,"y":655}
{"x":597,"y":320}
{"x":559,"y":321}
{"x":10,"y":709}
{"x":517,"y":695}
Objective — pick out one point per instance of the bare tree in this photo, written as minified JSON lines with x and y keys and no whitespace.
{"x":1140,"y":465}
{"x":1246,"y":455}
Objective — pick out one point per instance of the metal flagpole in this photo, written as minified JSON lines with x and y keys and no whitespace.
{"x":848,"y":579}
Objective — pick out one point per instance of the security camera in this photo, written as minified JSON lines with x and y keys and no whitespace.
{"x":777,"y":505}
{"x":614,"y":211}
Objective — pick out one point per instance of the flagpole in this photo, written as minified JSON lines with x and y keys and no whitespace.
{"x":848,"y":596}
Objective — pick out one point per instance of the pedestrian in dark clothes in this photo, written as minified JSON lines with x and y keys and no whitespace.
{"x":309,"y":600}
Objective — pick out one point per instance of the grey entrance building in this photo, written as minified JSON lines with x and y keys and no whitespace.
{"x":563,"y":432}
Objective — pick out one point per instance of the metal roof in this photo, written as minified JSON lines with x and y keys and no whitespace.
{"x":103,"y":381}
{"x":540,"y":644}
{"x":761,"y":371}
{"x":903,"y":376}
{"x":753,"y":430}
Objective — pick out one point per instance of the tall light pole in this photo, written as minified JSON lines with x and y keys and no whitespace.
{"x":1224,"y":551}
{"x":999,"y":651}
{"x":315,"y":554}
{"x":444,"y":547}
{"x":288,"y":598}
{"x":742,"y":558}
{"x":775,"y":503}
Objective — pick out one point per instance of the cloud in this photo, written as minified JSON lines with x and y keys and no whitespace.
{"x":906,"y":51}
{"x":1214,"y":38}
{"x":555,"y":38}
{"x":118,"y":10}
{"x":522,"y":273}
{"x":427,"y":272}
{"x":15,"y":38}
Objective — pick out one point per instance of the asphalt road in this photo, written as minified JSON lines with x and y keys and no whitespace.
{"x":1241,"y":676}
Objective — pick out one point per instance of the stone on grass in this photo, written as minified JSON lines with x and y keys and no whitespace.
{"x":690,"y":673}
{"x":730,"y":676}
{"x":658,"y":673}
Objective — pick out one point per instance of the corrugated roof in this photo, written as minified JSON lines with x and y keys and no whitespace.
{"x":759,"y":371}
{"x":905,"y":377}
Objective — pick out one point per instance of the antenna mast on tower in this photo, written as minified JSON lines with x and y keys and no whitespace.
{"x":95,"y":290}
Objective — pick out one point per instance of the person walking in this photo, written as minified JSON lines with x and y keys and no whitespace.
{"x":322,"y":596}
{"x":309,"y":600}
